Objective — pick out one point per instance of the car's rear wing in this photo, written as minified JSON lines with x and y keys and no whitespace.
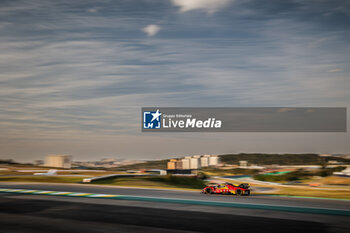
{"x":244,"y":186}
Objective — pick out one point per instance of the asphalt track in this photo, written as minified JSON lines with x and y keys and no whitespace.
{"x":188,"y":195}
{"x":38,"y":213}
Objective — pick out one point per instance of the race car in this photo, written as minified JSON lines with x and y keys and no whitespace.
{"x":227,"y":188}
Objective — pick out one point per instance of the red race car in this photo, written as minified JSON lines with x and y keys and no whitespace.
{"x":227,"y":188}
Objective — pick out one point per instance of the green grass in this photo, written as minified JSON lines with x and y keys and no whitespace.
{"x":313,"y":192}
{"x":297,"y":175}
{"x":292,"y":176}
{"x":228,"y":172}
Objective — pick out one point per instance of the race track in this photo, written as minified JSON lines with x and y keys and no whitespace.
{"x":188,"y":195}
{"x":20,"y":213}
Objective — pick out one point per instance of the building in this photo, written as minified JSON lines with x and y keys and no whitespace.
{"x":205,"y":160}
{"x":172,"y":164}
{"x":195,"y":162}
{"x":243,"y":164}
{"x":178,"y":164}
{"x":179,"y":167}
{"x":61,"y":161}
{"x":186,"y":163}
{"x":213,"y":160}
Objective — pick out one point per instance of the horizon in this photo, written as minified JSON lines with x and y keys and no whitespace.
{"x":167,"y":158}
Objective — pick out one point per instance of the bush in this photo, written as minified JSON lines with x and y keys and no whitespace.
{"x":292,"y":176}
{"x":202,"y":176}
{"x":282,"y":159}
{"x":298,"y":175}
{"x":329,"y":171}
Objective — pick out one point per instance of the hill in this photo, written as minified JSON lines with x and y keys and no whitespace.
{"x":281,"y":159}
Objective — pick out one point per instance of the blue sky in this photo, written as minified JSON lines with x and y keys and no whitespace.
{"x":75,"y":74}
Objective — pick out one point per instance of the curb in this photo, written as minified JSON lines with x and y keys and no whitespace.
{"x":184,"y":201}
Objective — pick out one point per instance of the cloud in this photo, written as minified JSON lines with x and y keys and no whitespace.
{"x":92,"y":10}
{"x":335,"y":70}
{"x":209,"y":6}
{"x":151,"y":29}
{"x":64,"y":83}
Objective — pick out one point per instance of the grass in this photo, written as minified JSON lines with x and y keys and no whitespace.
{"x":334,"y":180}
{"x":310,"y":192}
{"x":305,"y":191}
{"x":179,"y":182}
{"x":47,"y":179}
{"x":229,"y":172}
{"x":147,"y":181}
{"x":298,"y":175}
{"x":292,"y":176}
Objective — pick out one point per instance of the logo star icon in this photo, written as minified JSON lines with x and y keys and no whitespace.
{"x":156,"y":115}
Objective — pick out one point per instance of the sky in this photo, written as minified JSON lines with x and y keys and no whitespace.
{"x":75,"y":74}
